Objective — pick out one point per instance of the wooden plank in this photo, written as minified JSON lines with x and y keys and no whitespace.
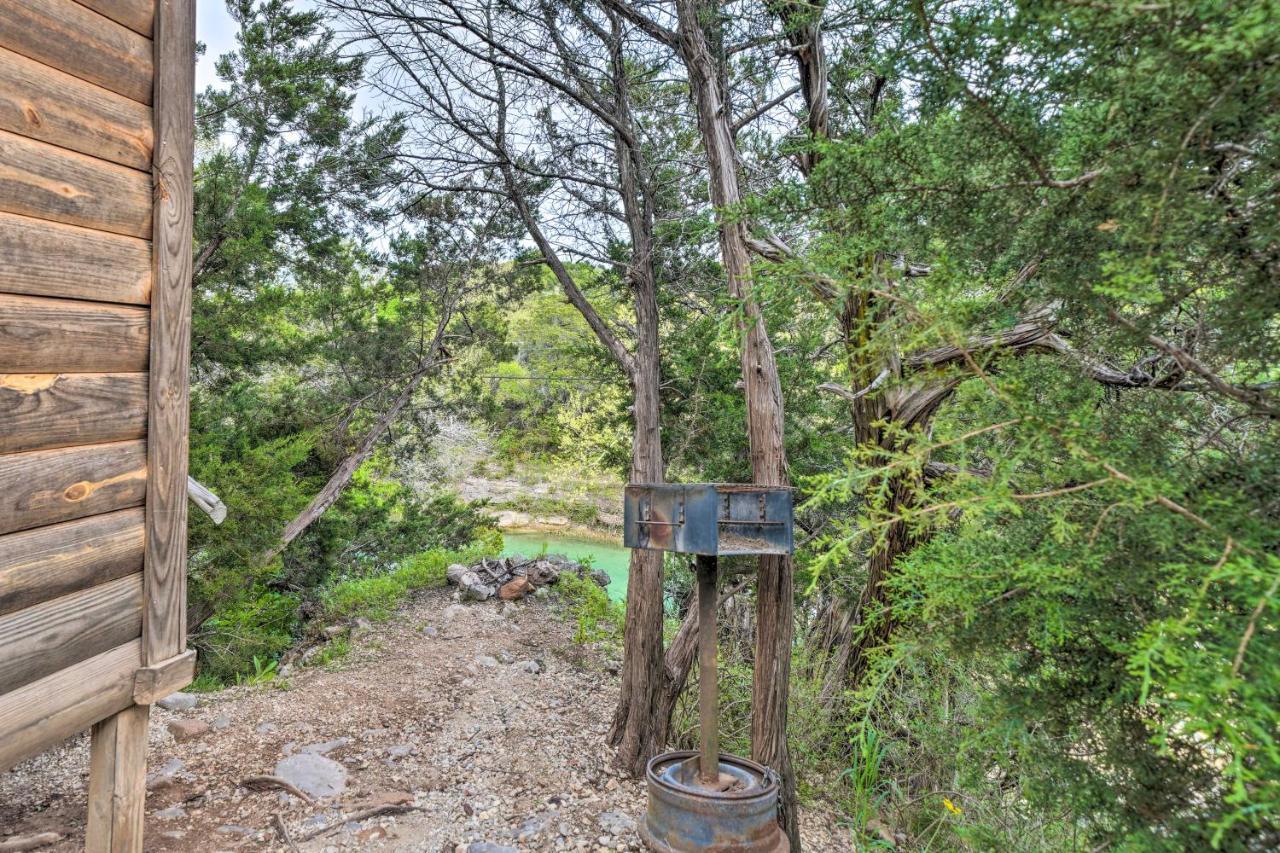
{"x":165,"y":621}
{"x":117,"y":782}
{"x":54,"y":708}
{"x":46,"y":104}
{"x":53,"y":635}
{"x":48,"y":562}
{"x":40,"y":411}
{"x":40,"y":335}
{"x":47,"y":182}
{"x":44,"y":258}
{"x":70,"y":37}
{"x":153,"y":683}
{"x":47,"y":486}
{"x":137,"y":15}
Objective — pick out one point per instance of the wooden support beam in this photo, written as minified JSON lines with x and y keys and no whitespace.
{"x":43,"y":258}
{"x":209,"y":503}
{"x":41,"y":335}
{"x":50,"y":105}
{"x":81,"y":42}
{"x":118,"y":782}
{"x":156,"y":682}
{"x":59,"y":559}
{"x":40,"y":411}
{"x":164,"y":627}
{"x":47,"y":182}
{"x":54,"y":708}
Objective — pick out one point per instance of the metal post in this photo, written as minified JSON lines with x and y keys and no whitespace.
{"x":708,"y":713}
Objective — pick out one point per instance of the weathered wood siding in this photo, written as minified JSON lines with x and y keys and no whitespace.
{"x":96,"y":102}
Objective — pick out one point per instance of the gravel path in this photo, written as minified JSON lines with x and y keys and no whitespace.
{"x":437,"y":717}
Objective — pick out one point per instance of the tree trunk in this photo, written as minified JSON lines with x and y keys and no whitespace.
{"x":775,"y":583}
{"x":347,"y":468}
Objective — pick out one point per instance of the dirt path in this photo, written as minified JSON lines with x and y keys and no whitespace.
{"x":439,"y":710}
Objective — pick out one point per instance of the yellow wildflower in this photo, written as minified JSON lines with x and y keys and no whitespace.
{"x":952,"y":807}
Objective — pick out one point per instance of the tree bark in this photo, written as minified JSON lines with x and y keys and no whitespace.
{"x":775,"y":582}
{"x":346,"y":469}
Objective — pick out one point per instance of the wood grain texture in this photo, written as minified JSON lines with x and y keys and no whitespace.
{"x":39,"y":335}
{"x":153,"y":683}
{"x":48,"y":562}
{"x":46,"y":104}
{"x":73,"y":38}
{"x":165,"y":620}
{"x":47,"y":182}
{"x":41,"y":640}
{"x":137,"y":15}
{"x":48,"y":486}
{"x":44,"y":258}
{"x":117,"y":782}
{"x":54,"y":708}
{"x":39,"y":411}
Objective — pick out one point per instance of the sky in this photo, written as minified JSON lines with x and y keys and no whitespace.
{"x":217,"y":31}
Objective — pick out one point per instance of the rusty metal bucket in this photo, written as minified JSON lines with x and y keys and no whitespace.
{"x":685,"y":816}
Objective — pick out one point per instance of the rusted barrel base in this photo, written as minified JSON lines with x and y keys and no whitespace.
{"x":686,"y":817}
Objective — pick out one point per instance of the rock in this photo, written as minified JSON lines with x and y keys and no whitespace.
{"x":516,"y":589}
{"x":171,"y":813}
{"x":542,"y":573}
{"x":489,"y":847}
{"x":529,"y":666}
{"x":455,"y":572}
{"x":486,"y":661}
{"x":616,"y":823}
{"x":29,"y":842}
{"x":185,"y":730}
{"x":373,"y":833}
{"x":163,"y":777}
{"x":505,"y":657}
{"x":179,"y":702}
{"x":326,"y":747}
{"x":221,"y":722}
{"x":400,"y":750}
{"x":453,"y":611}
{"x":601,"y":577}
{"x":233,"y":829}
{"x":313,"y":774}
{"x":267,"y":728}
{"x":510,"y":518}
{"x":473,"y":589}
{"x":331,"y":631}
{"x":431,"y":631}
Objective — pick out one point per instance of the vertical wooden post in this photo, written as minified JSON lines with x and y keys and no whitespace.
{"x":117,"y":782}
{"x":164,"y":620}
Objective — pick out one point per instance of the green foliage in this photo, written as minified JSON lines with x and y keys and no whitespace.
{"x":1098,"y":567}
{"x":375,"y":596}
{"x":599,"y":619}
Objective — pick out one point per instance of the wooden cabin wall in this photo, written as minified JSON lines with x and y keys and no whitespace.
{"x":95,"y":259}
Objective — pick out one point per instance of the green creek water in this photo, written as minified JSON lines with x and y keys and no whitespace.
{"x":611,"y":557}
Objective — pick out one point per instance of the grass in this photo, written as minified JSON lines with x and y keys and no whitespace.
{"x":377,"y":596}
{"x":598,"y":617}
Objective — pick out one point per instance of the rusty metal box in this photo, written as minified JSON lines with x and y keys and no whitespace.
{"x":721,"y":519}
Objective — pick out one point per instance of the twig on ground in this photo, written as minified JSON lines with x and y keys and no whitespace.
{"x":363,"y":814}
{"x":261,"y":782}
{"x":283,"y":830}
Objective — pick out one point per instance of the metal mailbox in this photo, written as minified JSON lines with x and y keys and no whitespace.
{"x":715,"y":519}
